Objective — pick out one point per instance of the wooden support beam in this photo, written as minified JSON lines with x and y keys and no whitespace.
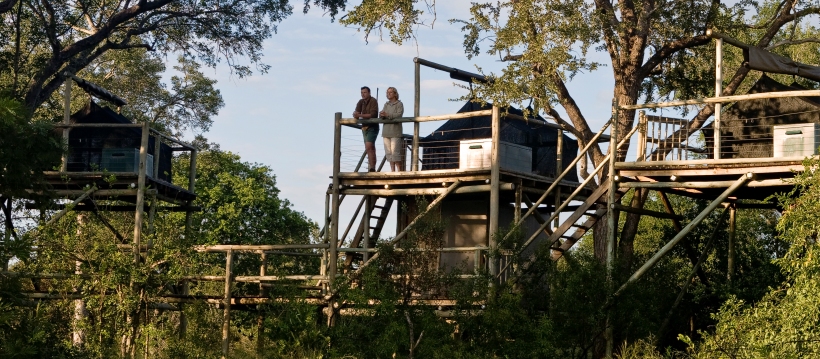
{"x":62,"y":213}
{"x":668,"y":247}
{"x":409,"y":227}
{"x":646,"y":212}
{"x":422,"y":191}
{"x":691,"y":276}
{"x":226,"y":312}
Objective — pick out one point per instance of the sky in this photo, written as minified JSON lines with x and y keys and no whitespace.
{"x":284,"y":118}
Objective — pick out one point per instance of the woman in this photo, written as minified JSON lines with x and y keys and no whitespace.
{"x":392,"y":132}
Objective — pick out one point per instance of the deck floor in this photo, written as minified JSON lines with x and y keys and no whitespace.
{"x":708,"y":178}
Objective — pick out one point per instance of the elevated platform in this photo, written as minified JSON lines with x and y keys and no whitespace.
{"x":434,"y":182}
{"x":708,"y":178}
{"x":115,"y":186}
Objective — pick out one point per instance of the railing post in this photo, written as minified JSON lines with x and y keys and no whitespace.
{"x":718,"y":92}
{"x":641,"y":135}
{"x":334,"y":216}
{"x":495,"y":178}
{"x":414,"y":166}
{"x":612,"y":221}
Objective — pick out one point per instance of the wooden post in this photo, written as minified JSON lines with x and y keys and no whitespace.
{"x":718,"y":92}
{"x":325,"y":237}
{"x":66,"y":120}
{"x":559,"y":167}
{"x":641,"y":136}
{"x":414,"y":166}
{"x":611,"y":222}
{"x":366,"y":226}
{"x":731,"y":257}
{"x":518,"y":195}
{"x":138,"y":216}
{"x":495,"y":181}
{"x":334,"y":217}
{"x":191,"y":188}
{"x":260,"y":320}
{"x":226,"y":313}
{"x":183,"y":320}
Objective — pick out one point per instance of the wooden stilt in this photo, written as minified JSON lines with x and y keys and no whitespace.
{"x":226,"y":311}
{"x":495,"y":195}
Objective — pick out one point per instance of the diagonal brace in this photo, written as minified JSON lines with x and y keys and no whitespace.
{"x":668,"y":247}
{"x":412,"y":224}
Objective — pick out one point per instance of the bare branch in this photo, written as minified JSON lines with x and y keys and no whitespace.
{"x":792,"y":42}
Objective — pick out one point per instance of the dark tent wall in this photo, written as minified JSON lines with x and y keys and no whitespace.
{"x":441,"y":147}
{"x":746,"y":128}
{"x":86,"y":144}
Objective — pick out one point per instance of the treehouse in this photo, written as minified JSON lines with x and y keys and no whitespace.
{"x":480,"y":169}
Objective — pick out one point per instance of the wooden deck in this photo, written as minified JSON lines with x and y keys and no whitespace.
{"x":115,"y":185}
{"x":433,"y":182}
{"x":708,"y":178}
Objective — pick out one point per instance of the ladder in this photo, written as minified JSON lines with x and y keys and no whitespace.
{"x":379,"y":210}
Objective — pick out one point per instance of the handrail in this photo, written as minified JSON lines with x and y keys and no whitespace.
{"x":455,"y":116}
{"x":567,"y":170}
{"x":724,"y":99}
{"x":557,"y":211}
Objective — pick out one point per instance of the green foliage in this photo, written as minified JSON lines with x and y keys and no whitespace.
{"x":26,"y":149}
{"x":783,"y":324}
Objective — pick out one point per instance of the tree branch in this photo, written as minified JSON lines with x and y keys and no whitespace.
{"x":668,"y":50}
{"x":792,"y":42}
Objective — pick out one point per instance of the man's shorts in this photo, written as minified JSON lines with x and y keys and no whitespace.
{"x":371,"y":133}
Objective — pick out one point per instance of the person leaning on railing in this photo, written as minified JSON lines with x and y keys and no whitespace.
{"x":368,"y":107}
{"x":392,"y":134}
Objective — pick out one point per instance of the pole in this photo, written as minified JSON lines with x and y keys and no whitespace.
{"x":334,"y":220}
{"x":414,"y":166}
{"x":138,"y":216}
{"x":718,"y":92}
{"x":260,"y":319}
{"x":730,"y":272}
{"x":226,"y":313}
{"x":641,"y":136}
{"x":495,"y":179}
{"x":611,"y":222}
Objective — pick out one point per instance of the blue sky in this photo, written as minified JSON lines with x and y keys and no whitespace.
{"x":284,"y":119}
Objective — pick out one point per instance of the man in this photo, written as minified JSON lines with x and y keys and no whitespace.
{"x":368,"y":108}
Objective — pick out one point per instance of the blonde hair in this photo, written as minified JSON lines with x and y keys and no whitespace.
{"x":394,"y":90}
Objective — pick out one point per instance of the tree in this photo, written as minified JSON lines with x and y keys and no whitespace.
{"x":62,"y":36}
{"x":783,"y":324}
{"x":656,"y":50}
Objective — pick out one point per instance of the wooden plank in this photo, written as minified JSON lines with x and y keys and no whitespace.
{"x":752,"y":162}
{"x":684,"y":172}
{"x":421,"y":191}
{"x":706,"y":184}
{"x":410,"y":181}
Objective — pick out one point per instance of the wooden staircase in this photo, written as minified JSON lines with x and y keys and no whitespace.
{"x":379,"y":210}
